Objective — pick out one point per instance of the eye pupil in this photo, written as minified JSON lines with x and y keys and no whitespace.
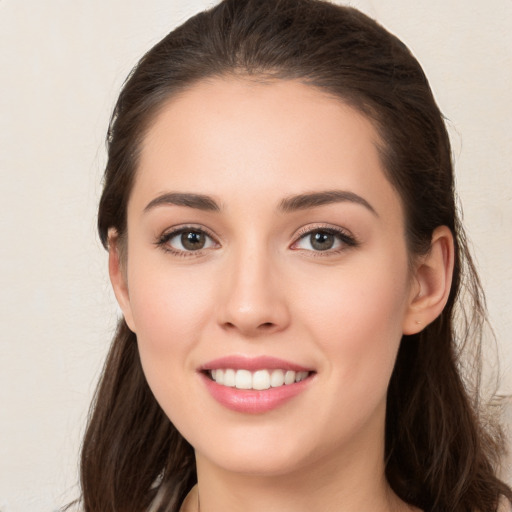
{"x":322,"y":241}
{"x":193,"y":240}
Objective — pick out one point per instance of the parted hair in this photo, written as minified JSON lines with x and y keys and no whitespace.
{"x":441,"y":452}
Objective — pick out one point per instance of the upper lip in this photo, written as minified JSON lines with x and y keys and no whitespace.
{"x":237,"y":362}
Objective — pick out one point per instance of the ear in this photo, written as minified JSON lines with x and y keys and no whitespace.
{"x":118,"y":276}
{"x":432,"y":282}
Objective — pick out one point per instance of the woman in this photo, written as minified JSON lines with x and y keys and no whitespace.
{"x":284,"y":245}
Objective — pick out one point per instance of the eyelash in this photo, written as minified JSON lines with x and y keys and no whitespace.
{"x":163,"y":240}
{"x":348,"y":241}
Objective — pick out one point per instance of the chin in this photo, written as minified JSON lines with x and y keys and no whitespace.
{"x":254,"y":463}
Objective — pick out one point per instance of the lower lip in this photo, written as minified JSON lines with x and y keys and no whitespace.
{"x":251,"y":401}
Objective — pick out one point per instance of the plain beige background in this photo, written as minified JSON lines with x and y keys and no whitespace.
{"x":62,"y":64}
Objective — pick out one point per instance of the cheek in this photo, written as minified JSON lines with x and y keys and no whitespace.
{"x":166,"y":305}
{"x":169,"y":309}
{"x":356,"y":318}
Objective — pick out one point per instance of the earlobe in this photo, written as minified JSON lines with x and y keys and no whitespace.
{"x":118,"y":277}
{"x":433,"y":279}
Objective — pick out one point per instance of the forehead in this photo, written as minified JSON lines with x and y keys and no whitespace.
{"x":240,"y":137}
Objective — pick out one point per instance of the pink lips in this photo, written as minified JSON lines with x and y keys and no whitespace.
{"x":252,"y":401}
{"x":252,"y":364}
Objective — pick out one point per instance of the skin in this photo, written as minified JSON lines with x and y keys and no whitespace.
{"x":260,"y":288}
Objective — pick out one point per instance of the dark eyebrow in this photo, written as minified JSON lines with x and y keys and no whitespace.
{"x":199,"y":201}
{"x":314,"y":199}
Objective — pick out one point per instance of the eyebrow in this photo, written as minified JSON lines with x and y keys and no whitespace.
{"x":287,"y":205}
{"x":197,"y":201}
{"x":315,"y":199}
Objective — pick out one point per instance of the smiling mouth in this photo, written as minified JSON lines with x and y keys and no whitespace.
{"x":258,"y":380}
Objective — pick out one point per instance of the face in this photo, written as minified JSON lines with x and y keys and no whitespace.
{"x":266,"y":274}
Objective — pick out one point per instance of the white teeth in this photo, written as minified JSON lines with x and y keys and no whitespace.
{"x":243,"y":379}
{"x":259,"y":380}
{"x":300,"y":376}
{"x":289,"y":377}
{"x":229,"y":378}
{"x":277,"y":378}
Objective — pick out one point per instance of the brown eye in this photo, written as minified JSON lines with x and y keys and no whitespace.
{"x":325,"y":239}
{"x":322,"y":241}
{"x":193,"y":240}
{"x":186,"y":240}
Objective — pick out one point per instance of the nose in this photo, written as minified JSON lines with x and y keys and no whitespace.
{"x":253,"y":300}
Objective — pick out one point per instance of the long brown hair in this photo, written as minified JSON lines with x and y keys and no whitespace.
{"x":439,"y":455}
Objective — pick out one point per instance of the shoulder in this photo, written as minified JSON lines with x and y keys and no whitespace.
{"x":505,"y":505}
{"x":191,"y":502}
